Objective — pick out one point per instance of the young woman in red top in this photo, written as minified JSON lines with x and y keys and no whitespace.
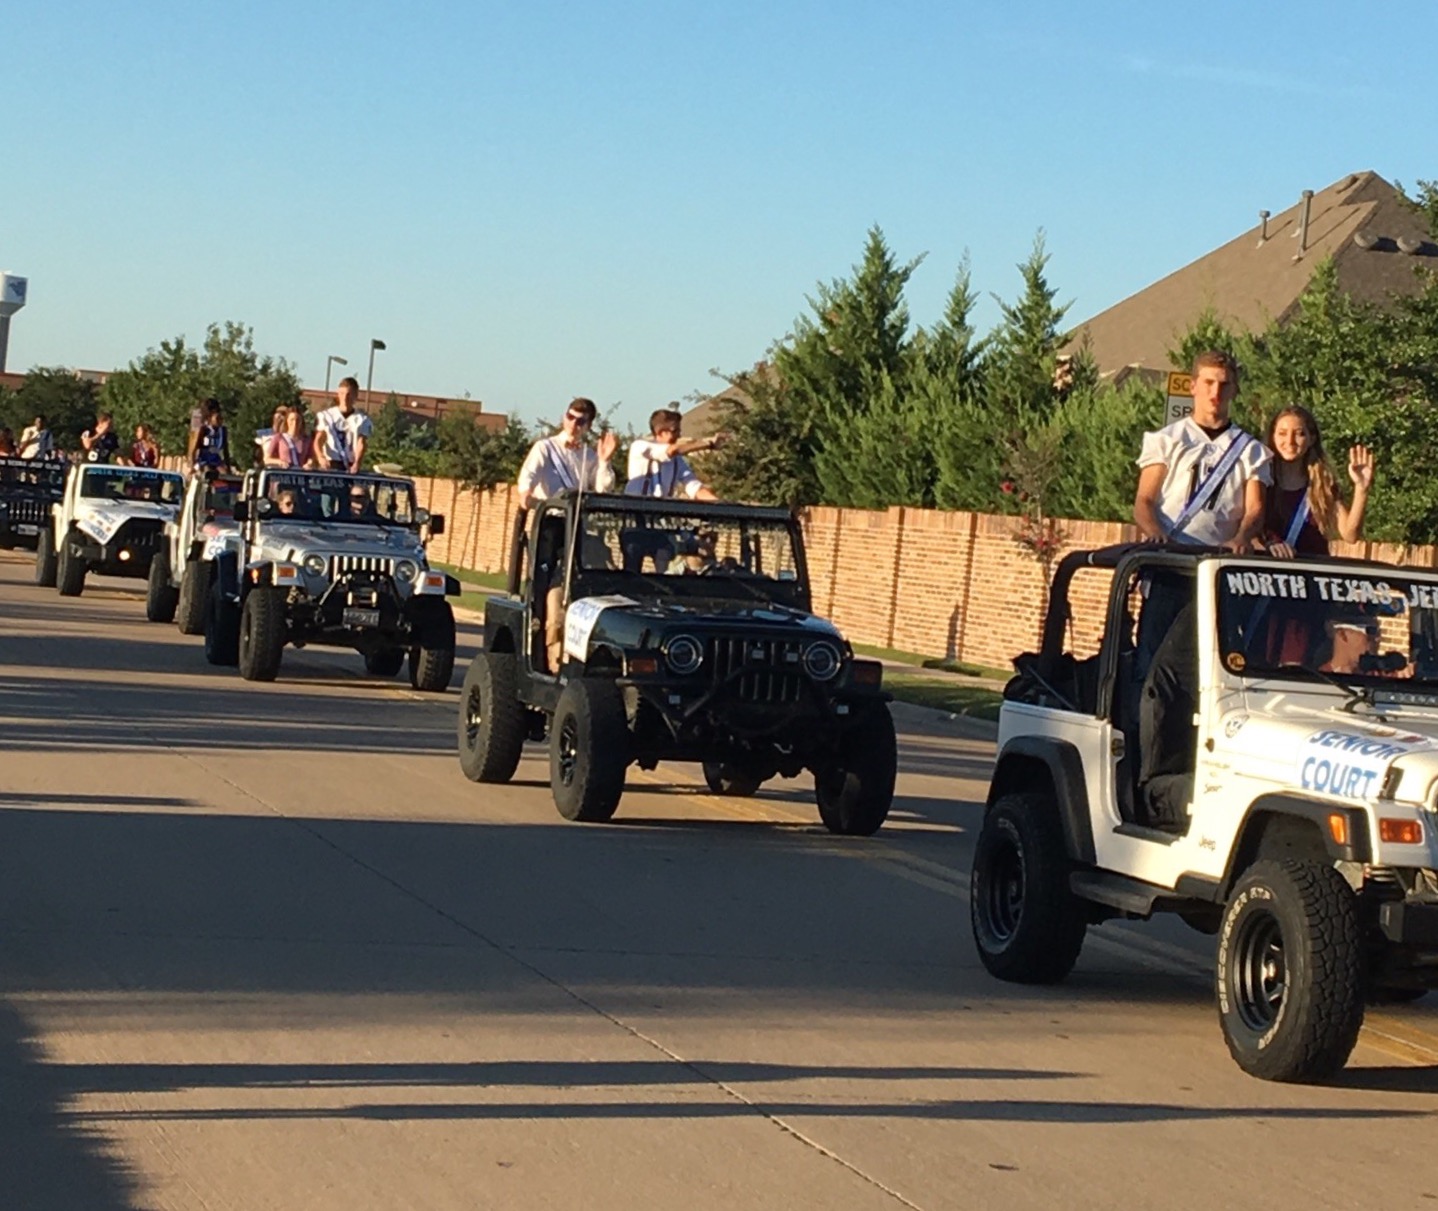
{"x":1304,"y":509}
{"x":144,"y":452}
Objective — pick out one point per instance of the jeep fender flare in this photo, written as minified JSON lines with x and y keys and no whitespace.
{"x":1357,"y":846}
{"x":227,"y":576}
{"x":1038,"y":763}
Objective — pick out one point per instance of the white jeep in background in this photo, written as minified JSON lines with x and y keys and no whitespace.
{"x":204,"y":529}
{"x":110,"y":520}
{"x":332,"y":559}
{"x":1273,"y":779}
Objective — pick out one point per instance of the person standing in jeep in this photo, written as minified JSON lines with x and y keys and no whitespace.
{"x":342,"y":432}
{"x":566,"y":460}
{"x":1202,"y":479}
{"x":101,"y":443}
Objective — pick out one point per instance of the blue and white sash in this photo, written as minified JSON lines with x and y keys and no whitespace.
{"x":1212,"y":481}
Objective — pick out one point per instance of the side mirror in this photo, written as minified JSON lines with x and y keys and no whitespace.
{"x":264,"y":507}
{"x":242,"y":511}
{"x":436,"y":523}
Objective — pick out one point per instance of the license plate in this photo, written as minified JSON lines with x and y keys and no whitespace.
{"x":361,"y":618}
{"x":24,"y":529}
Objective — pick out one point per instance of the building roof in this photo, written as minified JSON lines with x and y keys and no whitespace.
{"x":429,"y":408}
{"x":1374,"y":237}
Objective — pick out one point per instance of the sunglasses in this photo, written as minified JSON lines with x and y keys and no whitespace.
{"x":579,"y":418}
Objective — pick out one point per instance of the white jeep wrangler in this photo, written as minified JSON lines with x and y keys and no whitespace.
{"x":332,"y":559}
{"x":1259,"y":754}
{"x":183,"y":567}
{"x":110,"y":520}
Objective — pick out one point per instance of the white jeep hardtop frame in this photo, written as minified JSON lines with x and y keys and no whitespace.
{"x":1269,"y":771}
{"x":110,"y":520}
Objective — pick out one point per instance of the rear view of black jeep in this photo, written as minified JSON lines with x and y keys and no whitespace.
{"x":28,"y":489}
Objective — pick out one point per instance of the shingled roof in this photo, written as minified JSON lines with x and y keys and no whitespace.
{"x":1374,"y":237}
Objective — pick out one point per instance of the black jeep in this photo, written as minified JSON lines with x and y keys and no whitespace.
{"x":28,"y":489}
{"x":645,"y":630}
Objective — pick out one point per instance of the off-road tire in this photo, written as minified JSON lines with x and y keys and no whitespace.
{"x":384,"y":662}
{"x":431,"y":658}
{"x":69,"y":572}
{"x":222,"y":629}
{"x":588,"y":749}
{"x":46,"y":565}
{"x":730,"y":780}
{"x":492,"y":722}
{"x":194,"y":596}
{"x":263,"y":631}
{"x":855,"y":790}
{"x":1291,"y":971}
{"x":1028,"y":926}
{"x":161,"y":597}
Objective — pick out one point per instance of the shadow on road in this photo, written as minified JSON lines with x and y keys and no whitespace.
{"x":49,"y":1161}
{"x":55,"y":715}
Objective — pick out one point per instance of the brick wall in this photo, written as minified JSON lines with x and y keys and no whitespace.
{"x":919,"y":580}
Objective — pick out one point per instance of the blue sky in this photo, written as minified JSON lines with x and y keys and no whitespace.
{"x":529,"y":202}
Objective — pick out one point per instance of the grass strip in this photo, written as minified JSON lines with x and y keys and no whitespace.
{"x":973,"y":701}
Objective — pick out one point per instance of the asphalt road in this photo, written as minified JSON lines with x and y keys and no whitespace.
{"x":262,"y":946}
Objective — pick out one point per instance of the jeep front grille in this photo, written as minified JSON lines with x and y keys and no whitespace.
{"x":375,"y":565}
{"x":23,"y":512}
{"x":758,"y":670}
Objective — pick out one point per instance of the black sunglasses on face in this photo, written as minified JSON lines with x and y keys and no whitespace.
{"x":578,"y":418}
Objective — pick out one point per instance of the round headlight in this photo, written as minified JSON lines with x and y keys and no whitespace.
{"x":406,"y":570}
{"x":821,"y":661}
{"x":684,"y":654}
{"x":314,"y":565}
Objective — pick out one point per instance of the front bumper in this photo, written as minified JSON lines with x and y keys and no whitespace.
{"x":128,"y":553}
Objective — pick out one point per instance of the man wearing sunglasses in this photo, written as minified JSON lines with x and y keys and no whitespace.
{"x":565,"y":461}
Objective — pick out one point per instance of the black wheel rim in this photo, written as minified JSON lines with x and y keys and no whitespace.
{"x":1003,"y":895}
{"x":1260,"y":975}
{"x":568,"y":750}
{"x":473,"y":717}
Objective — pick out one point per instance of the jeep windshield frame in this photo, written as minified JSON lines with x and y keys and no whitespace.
{"x":1370,"y":628}
{"x":337,"y":498}
{"x":647,"y":547}
{"x":115,"y":482}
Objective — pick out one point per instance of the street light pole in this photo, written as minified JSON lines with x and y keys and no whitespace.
{"x":369,"y":377}
{"x":330,"y":361}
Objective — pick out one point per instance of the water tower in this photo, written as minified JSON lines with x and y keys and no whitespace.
{"x":12,"y":298}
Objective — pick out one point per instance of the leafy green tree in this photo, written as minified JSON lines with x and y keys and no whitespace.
{"x":163,"y":387}
{"x":1016,"y":386}
{"x":67,"y":402}
{"x":769,"y":458}
{"x":840,"y":358}
{"x":480,"y":458}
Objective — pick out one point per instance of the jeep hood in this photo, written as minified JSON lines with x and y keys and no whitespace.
{"x":101,"y":521}
{"x":1332,"y":753}
{"x":304,"y":537}
{"x":726,"y":611}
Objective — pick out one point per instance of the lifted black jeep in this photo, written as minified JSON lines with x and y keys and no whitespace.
{"x":644,"y":630}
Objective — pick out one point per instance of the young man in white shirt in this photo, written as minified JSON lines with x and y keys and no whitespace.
{"x":566,"y":461}
{"x":1201,"y":481}
{"x":657,"y":466}
{"x":342,"y":432}
{"x":36,"y":441}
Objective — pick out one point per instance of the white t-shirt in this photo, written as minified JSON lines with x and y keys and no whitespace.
{"x":652,"y":472}
{"x":1190,"y":455}
{"x":340,"y":431}
{"x":35,"y":443}
{"x":551,"y":466}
